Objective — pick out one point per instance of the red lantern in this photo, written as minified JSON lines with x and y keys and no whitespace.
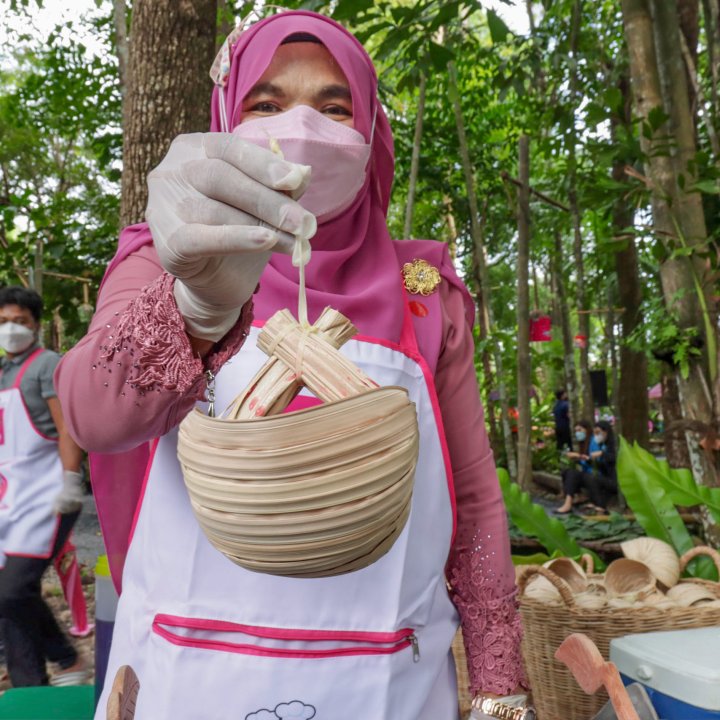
{"x":540,"y":326}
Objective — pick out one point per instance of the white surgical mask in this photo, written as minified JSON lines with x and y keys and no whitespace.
{"x":599,"y":438}
{"x":337,"y":154}
{"x":14,"y":338}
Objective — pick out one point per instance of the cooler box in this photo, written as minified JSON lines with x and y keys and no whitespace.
{"x":680,"y":669}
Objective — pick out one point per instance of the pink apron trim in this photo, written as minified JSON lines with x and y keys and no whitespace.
{"x":23,"y":368}
{"x":138,"y":507}
{"x":432,"y":392}
{"x":117,"y":500}
{"x":302,"y":402}
{"x":16,"y":386}
{"x":42,"y":556}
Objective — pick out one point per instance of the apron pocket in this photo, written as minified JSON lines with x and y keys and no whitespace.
{"x":225,"y":636}
{"x":218,"y":670}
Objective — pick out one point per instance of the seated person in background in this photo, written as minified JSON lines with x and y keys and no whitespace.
{"x":597,"y":476}
{"x":572,"y":477}
{"x":604,"y":478}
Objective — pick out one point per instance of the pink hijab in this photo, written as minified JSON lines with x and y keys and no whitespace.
{"x":354,"y":267}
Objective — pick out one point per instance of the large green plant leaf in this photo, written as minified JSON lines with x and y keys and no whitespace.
{"x":534,"y":521}
{"x":654,"y":508}
{"x":679,"y":483}
{"x":534,"y":559}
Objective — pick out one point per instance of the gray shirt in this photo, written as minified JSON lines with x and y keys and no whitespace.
{"x":36,"y":385}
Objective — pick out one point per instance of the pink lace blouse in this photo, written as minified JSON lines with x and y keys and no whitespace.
{"x":136,"y":364}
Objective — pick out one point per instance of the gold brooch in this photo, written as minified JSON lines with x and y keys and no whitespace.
{"x":420,"y":277}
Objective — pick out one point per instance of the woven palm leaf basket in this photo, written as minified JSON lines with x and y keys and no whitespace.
{"x":556,"y":694}
{"x":315,"y":492}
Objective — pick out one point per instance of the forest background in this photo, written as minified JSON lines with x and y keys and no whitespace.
{"x":571,"y":169}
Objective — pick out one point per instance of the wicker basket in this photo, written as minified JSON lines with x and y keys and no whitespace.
{"x":556,"y":694}
{"x":463,"y":677}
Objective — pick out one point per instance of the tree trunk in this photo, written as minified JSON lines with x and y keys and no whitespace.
{"x":711,"y":23}
{"x":479,"y":258}
{"x":415,"y":159}
{"x":523,"y":316}
{"x":659,"y":80}
{"x":632,"y":400}
{"x":612,"y":351}
{"x":674,"y":445}
{"x":172,"y":45}
{"x":568,"y":349}
{"x":121,"y":42}
{"x":689,"y":19}
{"x":586,"y":399}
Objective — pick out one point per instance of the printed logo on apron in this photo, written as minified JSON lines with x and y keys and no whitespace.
{"x":295,"y":710}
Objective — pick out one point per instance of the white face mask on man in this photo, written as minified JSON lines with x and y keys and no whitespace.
{"x":15,"y":338}
{"x":338,"y":155}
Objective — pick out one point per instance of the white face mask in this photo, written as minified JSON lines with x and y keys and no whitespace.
{"x":338,"y":155}
{"x":14,"y":338}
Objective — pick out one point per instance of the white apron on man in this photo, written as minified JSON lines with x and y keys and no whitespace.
{"x":30,"y":478}
{"x":210,"y":640}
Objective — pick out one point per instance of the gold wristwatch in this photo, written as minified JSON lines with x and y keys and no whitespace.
{"x":498,"y":709}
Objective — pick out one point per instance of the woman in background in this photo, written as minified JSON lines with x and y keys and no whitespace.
{"x":596,"y":473}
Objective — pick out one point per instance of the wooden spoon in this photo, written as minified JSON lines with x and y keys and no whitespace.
{"x":592,"y":671}
{"x":123,"y":695}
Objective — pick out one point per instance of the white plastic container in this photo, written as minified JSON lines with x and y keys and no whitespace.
{"x":680,"y":669}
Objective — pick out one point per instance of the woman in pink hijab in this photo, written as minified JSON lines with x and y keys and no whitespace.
{"x":185,"y":295}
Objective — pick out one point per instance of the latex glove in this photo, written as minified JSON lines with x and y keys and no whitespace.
{"x":217,"y":207}
{"x":69,"y":499}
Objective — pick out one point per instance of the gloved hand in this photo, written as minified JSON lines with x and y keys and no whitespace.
{"x":217,"y":207}
{"x":70,"y":497}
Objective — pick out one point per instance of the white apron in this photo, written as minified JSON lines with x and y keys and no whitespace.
{"x":30,"y":478}
{"x":210,"y":640}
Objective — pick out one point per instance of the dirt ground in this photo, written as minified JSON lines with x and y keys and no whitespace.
{"x":52,"y":593}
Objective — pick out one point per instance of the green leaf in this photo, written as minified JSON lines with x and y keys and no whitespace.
{"x":653,"y":506}
{"x":440,"y":56}
{"x":534,"y":521}
{"x":709,"y":187}
{"x":534,"y":559}
{"x":348,"y":9}
{"x":657,"y":117}
{"x":680,"y":484}
{"x":498,"y":29}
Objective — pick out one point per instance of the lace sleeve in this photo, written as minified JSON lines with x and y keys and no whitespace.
{"x":490,"y":623}
{"x":150,"y":336}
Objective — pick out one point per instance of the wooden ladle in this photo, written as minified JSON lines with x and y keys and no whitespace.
{"x":592,"y":672}
{"x":123,"y":695}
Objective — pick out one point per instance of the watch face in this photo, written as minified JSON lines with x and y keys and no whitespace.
{"x":529,"y":714}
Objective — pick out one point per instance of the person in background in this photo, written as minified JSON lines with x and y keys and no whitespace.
{"x":40,"y":496}
{"x":573,"y":477}
{"x":604,"y":459}
{"x":594,"y":473}
{"x":561,"y":413}
{"x":209,"y":638}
